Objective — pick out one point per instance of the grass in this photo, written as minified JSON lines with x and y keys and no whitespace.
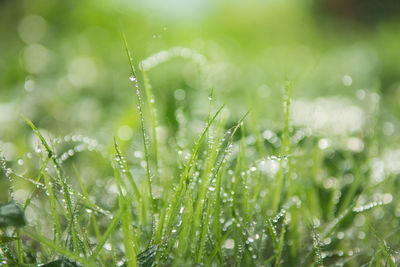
{"x":215,"y":203}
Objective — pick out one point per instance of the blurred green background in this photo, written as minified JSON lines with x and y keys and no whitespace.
{"x":63,"y":65}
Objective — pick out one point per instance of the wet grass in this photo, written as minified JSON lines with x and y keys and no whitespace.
{"x":233,"y":198}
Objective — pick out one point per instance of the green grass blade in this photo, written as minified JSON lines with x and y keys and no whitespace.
{"x":125,"y":170}
{"x":384,"y":248}
{"x":62,"y":180}
{"x":204,"y":230}
{"x":184,"y":176}
{"x":280,"y":247}
{"x":272,"y":232}
{"x":53,"y":207}
{"x":128,"y":234}
{"x":134,"y":79}
{"x":150,"y":101}
{"x":50,"y":244}
{"x":284,"y":151}
{"x":113,"y":224}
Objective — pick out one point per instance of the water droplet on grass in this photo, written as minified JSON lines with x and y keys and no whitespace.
{"x":340,"y":235}
{"x":250,"y":240}
{"x":132,"y":78}
{"x":347,"y":80}
{"x":229,"y":244}
{"x":323,"y":143}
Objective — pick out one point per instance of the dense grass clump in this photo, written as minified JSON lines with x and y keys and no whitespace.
{"x":231,"y":194}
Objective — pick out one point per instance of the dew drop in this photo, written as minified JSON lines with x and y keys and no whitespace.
{"x":132,"y":78}
{"x":347,"y":80}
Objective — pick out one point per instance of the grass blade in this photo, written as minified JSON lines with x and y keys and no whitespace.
{"x":63,"y":251}
{"x":134,"y":79}
{"x":61,"y":178}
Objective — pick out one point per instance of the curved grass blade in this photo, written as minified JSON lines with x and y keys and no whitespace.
{"x":62,"y":180}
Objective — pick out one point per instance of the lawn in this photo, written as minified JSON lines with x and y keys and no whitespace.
{"x":203,"y":133}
